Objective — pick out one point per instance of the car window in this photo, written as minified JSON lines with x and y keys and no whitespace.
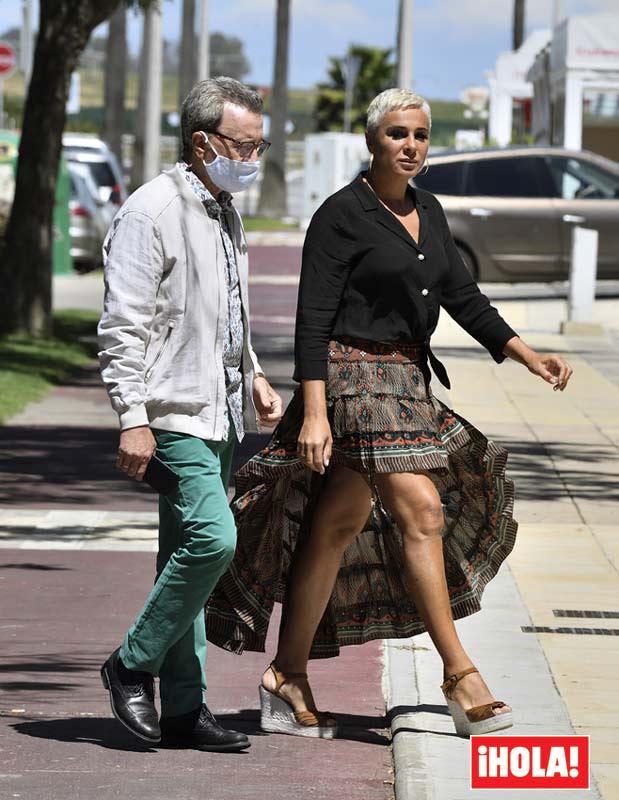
{"x":505,"y":177}
{"x":101,"y":172}
{"x":442,"y":178}
{"x":576,"y":179}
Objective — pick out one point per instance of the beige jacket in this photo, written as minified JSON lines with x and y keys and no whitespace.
{"x":161,"y":332}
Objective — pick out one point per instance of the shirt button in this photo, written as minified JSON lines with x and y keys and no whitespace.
{"x":421,"y":257}
{"x":424,"y":292}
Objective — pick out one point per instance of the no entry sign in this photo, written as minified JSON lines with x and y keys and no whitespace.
{"x":8,"y":60}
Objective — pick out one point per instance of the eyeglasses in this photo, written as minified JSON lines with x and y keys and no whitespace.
{"x":246,"y":148}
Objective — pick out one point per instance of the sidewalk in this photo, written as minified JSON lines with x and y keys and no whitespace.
{"x":77,"y":561}
{"x":547,"y":637}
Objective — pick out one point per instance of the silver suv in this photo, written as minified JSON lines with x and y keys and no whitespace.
{"x":511,"y":211}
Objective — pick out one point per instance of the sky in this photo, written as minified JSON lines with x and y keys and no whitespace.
{"x":454,"y":41}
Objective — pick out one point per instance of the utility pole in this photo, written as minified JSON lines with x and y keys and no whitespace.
{"x":405,"y":44}
{"x":187,"y":60}
{"x":350,"y":66}
{"x":148,"y":125}
{"x":558,"y":12}
{"x":518,"y":26}
{"x":273,"y":202}
{"x":25,"y":43}
{"x":115,"y":79}
{"x":203,"y":66}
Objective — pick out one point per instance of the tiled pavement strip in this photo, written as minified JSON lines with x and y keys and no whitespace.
{"x":564,"y":460}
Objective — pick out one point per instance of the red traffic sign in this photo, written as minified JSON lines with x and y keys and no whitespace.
{"x":8,"y":60}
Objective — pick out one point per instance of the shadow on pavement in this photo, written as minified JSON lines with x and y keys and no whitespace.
{"x":87,"y":730}
{"x":51,"y":467}
{"x":109,"y":733}
{"x":422,"y":708}
{"x":531,"y":467}
{"x":352,"y":727}
{"x":26,"y":565}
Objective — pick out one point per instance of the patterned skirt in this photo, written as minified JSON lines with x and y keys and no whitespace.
{"x":383,"y":418}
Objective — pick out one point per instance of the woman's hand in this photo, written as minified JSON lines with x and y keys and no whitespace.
{"x":552,"y":367}
{"x":315,"y":442}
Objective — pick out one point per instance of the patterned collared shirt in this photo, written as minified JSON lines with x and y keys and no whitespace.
{"x":233,"y":340}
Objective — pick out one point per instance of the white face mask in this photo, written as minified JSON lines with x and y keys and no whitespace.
{"x":230,"y":175}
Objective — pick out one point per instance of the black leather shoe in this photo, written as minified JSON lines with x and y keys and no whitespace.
{"x":199,"y":729}
{"x":132,"y":697}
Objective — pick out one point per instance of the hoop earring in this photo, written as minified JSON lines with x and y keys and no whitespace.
{"x":425,"y":167}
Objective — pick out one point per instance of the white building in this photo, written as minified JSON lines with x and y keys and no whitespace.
{"x":576,"y":72}
{"x":509,"y":84}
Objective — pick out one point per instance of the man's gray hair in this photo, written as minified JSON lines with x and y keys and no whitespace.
{"x":203,"y":107}
{"x":393,"y":100}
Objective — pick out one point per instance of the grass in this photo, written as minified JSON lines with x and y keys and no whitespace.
{"x":30,"y":366}
{"x":264,"y":224}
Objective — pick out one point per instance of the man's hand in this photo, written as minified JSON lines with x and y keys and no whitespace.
{"x":268,"y":403}
{"x":135,"y":450}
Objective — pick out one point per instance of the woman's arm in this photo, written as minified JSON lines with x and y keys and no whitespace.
{"x":552,"y":367}
{"x":327,"y":252}
{"x":315,"y":440}
{"x":326,"y":258}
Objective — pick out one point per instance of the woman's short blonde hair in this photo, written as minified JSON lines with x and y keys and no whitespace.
{"x":393,"y":100}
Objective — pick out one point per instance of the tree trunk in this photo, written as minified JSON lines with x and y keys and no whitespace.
{"x":115,"y":79}
{"x":518,"y":27}
{"x":26,"y":263}
{"x":273,"y":192}
{"x":187,"y":65}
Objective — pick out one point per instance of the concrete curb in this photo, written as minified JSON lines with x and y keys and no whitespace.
{"x":430,"y":761}
{"x":401,"y":691}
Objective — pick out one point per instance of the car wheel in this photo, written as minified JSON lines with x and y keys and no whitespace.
{"x":469,"y":260}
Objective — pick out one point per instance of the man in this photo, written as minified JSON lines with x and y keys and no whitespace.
{"x":177,"y":361}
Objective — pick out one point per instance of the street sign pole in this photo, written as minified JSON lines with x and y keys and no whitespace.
{"x":8,"y":62}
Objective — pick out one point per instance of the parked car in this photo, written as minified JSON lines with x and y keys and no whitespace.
{"x":101,"y":162}
{"x":89,"y":218}
{"x":511,"y":211}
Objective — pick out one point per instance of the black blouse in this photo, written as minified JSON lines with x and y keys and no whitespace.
{"x":364,"y":276}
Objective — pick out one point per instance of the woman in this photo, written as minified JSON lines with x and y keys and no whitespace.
{"x":377,"y":510}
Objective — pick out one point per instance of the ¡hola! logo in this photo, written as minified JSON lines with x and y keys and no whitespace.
{"x":529,"y":762}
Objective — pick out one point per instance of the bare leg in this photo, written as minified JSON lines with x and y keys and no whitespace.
{"x":415,"y":505}
{"x":341,"y":514}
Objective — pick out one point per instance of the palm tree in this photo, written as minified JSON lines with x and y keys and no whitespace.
{"x":187,"y":62}
{"x":376,"y":73}
{"x":273,"y":192}
{"x":115,"y":81}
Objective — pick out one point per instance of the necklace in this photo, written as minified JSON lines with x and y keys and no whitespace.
{"x":410,"y":205}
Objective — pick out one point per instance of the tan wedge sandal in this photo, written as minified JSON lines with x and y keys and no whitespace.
{"x":278,"y":716}
{"x":479,"y":719}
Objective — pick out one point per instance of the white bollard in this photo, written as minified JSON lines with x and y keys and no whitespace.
{"x":581,"y":294}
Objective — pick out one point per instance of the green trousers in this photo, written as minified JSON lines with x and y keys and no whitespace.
{"x":197,"y":539}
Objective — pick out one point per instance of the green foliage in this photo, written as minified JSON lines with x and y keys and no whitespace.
{"x":30,"y":366}
{"x":377,"y":72}
{"x":265,"y":224}
{"x":227,"y":56}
